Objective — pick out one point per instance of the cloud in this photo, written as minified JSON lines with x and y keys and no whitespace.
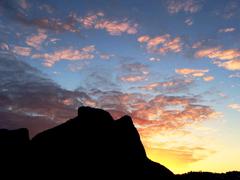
{"x":192,"y":72}
{"x":24,"y":4}
{"x":173,"y":45}
{"x":226,"y":30}
{"x":234,"y":106}
{"x":47,"y":8}
{"x":22,"y":51}
{"x":135,"y":72}
{"x":66,"y":54}
{"x":133,"y":78}
{"x":116,"y":28}
{"x":189,"y":21}
{"x":36,"y":41}
{"x":173,"y":86}
{"x":4,"y":46}
{"x":228,"y":59}
{"x":78,"y":66}
{"x":143,"y":39}
{"x":43,"y":110}
{"x":232,"y":65}
{"x":208,"y":78}
{"x":161,"y":44}
{"x":236,"y":75}
{"x":187,"y":6}
{"x":153,"y":59}
{"x":105,"y":56}
{"x":113,"y":27}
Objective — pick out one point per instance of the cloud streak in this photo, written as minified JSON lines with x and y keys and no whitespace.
{"x":67,"y":54}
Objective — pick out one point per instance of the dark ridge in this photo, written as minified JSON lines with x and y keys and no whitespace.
{"x":90,"y":145}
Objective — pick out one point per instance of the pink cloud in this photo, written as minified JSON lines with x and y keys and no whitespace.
{"x":23,"y":4}
{"x":37,"y":40}
{"x":143,"y":39}
{"x":22,"y":51}
{"x":116,"y":28}
{"x":161,"y":44}
{"x":113,"y":27}
{"x":133,"y":78}
{"x":4,"y":46}
{"x":66,"y":54}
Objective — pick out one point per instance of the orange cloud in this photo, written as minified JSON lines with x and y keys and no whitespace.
{"x":226,"y":30}
{"x":154,"y":42}
{"x":133,"y":78}
{"x":234,"y":106}
{"x":229,"y":56}
{"x":143,"y":39}
{"x":22,"y":51}
{"x":232,"y":65}
{"x":188,"y":6}
{"x":192,"y":72}
{"x":36,"y":40}
{"x":66,"y":54}
{"x":172,"y":46}
{"x":161,"y":44}
{"x":217,"y":53}
{"x":208,"y":78}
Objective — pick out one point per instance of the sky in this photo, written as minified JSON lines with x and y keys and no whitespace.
{"x":172,"y":65}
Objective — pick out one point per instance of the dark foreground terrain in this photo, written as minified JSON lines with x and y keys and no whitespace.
{"x":89,"y":146}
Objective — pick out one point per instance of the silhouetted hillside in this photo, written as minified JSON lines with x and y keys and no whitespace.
{"x":87,"y":146}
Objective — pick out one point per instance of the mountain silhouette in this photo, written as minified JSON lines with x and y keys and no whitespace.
{"x":90,"y":145}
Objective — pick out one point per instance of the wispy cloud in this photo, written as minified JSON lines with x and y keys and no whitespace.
{"x":171,"y":86}
{"x":189,"y":21}
{"x":47,"y":8}
{"x":234,"y":106}
{"x":66,"y":54}
{"x":133,"y":78}
{"x":187,"y":6}
{"x":208,"y":78}
{"x":227,"y":30}
{"x":24,"y":4}
{"x":161,"y":44}
{"x":113,"y":27}
{"x":134,"y":72}
{"x":192,"y":72}
{"x":4,"y":46}
{"x":22,"y":51}
{"x":36,"y":41}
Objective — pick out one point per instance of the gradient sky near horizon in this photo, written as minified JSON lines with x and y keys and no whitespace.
{"x":173,"y":65}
